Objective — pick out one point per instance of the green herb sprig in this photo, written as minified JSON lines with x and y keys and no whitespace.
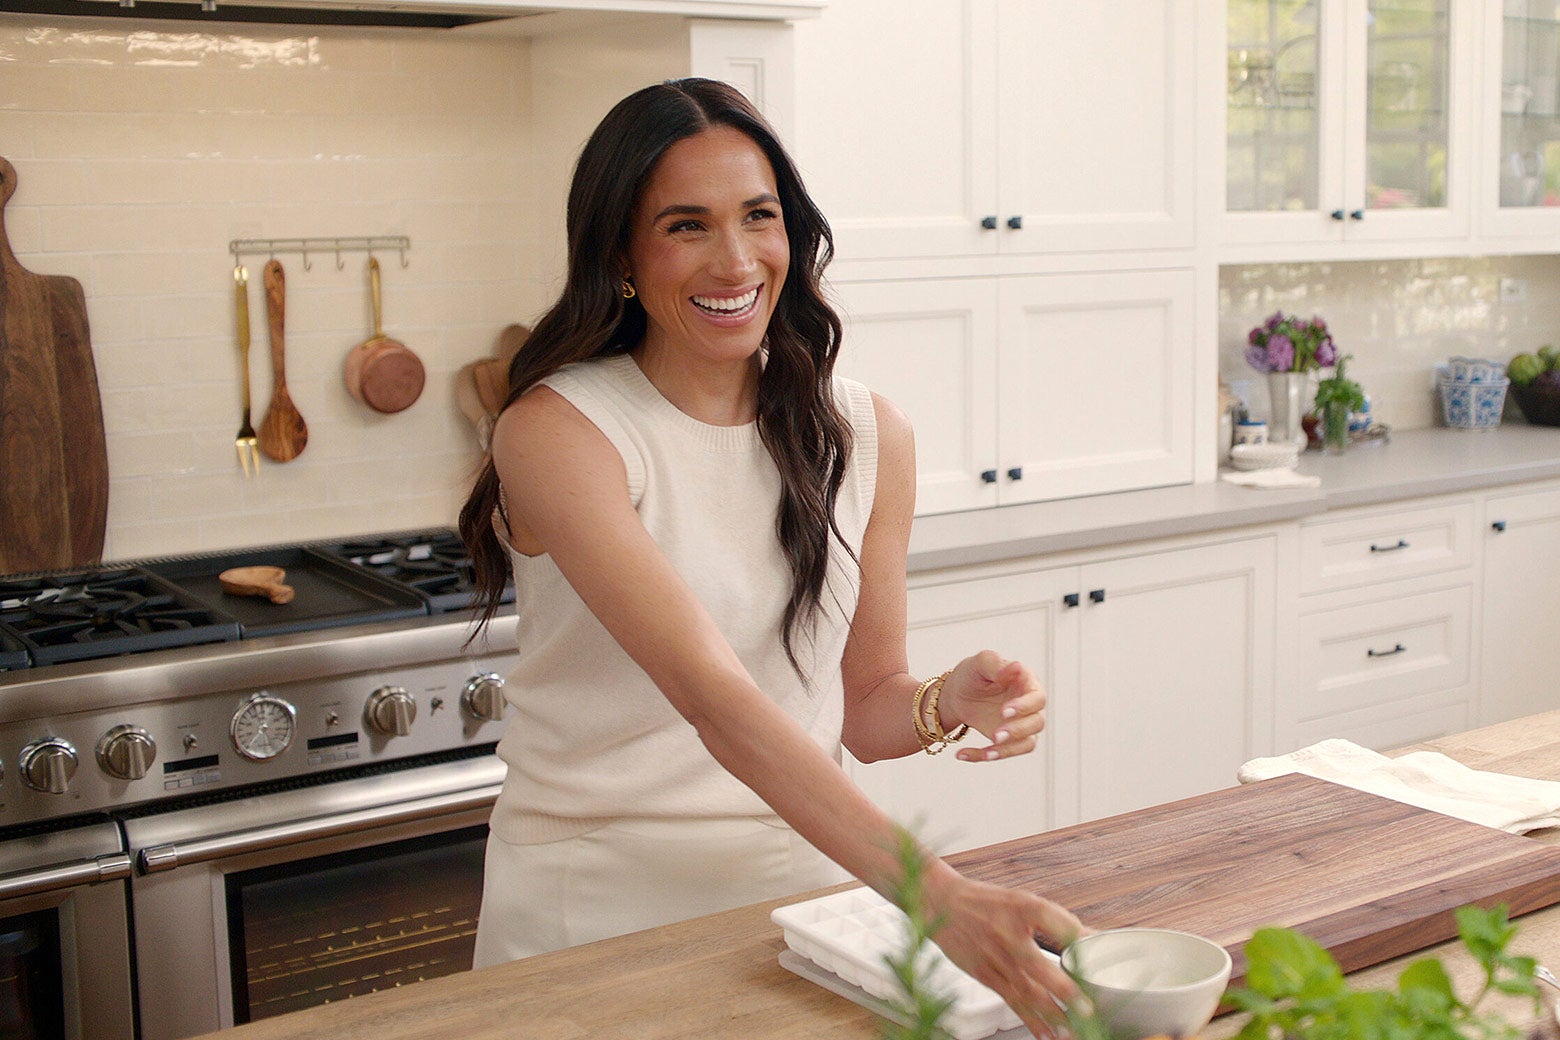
{"x":1295,"y":989}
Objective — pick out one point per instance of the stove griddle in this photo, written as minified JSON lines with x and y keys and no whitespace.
{"x":432,"y":561}
{"x":329,"y":592}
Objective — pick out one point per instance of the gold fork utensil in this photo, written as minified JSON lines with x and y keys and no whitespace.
{"x":245,"y":442}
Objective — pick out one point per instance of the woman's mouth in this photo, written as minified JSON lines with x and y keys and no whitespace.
{"x":727,"y":306}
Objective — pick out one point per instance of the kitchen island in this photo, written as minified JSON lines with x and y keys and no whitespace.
{"x":718,"y":977}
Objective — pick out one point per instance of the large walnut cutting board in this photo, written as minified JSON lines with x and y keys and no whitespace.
{"x":1368,"y":878}
{"x":53,"y":458}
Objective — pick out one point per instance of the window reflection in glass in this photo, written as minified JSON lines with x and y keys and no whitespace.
{"x":1407,"y":127}
{"x":1272,"y":129}
{"x":1529,"y":160}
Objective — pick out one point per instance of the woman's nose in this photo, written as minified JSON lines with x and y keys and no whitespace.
{"x":734,"y":256}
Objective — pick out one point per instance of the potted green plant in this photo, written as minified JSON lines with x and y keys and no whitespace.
{"x":1337,"y":397}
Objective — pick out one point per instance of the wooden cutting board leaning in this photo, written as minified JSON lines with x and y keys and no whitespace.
{"x":1368,"y":878}
{"x":53,"y":455}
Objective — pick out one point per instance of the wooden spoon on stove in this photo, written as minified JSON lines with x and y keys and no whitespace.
{"x":282,"y":433}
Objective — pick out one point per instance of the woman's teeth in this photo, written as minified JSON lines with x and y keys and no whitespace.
{"x":727,"y":304}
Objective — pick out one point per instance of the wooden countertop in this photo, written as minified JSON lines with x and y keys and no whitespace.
{"x":718,"y":977}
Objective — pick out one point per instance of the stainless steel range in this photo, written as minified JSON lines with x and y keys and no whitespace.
{"x":282,"y":802}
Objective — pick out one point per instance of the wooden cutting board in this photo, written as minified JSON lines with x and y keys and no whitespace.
{"x":53,"y":458}
{"x":1368,"y":878}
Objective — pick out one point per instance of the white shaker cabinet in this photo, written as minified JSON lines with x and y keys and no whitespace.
{"x":1346,"y":121}
{"x":1521,"y":604}
{"x":1030,"y":388}
{"x":1002,"y":126}
{"x":1159,"y":672}
{"x":1519,"y":156}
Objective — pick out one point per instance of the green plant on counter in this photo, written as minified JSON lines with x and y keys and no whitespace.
{"x":1336,"y":397}
{"x":1295,"y":989}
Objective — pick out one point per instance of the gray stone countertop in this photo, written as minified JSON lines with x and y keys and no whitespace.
{"x":1410,"y":464}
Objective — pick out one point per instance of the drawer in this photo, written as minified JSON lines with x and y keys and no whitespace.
{"x":1385,"y":546}
{"x":1378,"y":653}
{"x":1398,"y":725}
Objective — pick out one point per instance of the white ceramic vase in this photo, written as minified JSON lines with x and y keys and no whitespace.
{"x":1289,"y":396}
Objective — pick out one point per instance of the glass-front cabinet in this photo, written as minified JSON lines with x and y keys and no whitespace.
{"x":1521,"y":156}
{"x":1347,"y":120}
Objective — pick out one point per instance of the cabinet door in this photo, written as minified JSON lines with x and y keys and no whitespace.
{"x":1175,"y":673}
{"x":958,"y":805}
{"x":1095,"y":374}
{"x":1521,"y":596}
{"x":1519,"y":160}
{"x":1096,"y":125}
{"x":898,"y":125}
{"x":1348,"y":120}
{"x":930,"y":347}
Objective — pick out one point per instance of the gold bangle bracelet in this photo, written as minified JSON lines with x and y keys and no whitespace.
{"x":928,"y":726}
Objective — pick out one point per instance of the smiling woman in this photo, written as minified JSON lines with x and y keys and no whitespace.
{"x":708,"y":530}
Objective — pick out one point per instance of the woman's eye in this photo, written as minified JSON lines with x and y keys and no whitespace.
{"x":759,"y":215}
{"x":684,"y":225}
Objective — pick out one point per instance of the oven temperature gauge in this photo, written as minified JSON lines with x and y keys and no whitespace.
{"x":263,"y":727}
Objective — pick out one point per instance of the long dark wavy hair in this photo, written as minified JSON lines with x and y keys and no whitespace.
{"x":798,"y":420}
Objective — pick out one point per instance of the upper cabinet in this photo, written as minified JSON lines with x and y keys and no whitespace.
{"x":1011,"y":127}
{"x":1347,"y":121}
{"x":1520,"y":156}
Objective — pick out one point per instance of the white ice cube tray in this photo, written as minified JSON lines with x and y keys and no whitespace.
{"x":848,"y":934}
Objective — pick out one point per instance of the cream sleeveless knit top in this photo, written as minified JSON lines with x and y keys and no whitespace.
{"x":589,"y":737}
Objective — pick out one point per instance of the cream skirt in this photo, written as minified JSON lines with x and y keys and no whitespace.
{"x":635,"y":874}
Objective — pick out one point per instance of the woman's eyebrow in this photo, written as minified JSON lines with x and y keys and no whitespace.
{"x":686,"y":210}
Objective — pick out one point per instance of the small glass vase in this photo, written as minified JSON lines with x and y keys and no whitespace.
{"x":1335,"y":428}
{"x":1287,"y":394}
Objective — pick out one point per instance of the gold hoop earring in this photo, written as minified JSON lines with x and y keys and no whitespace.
{"x":629,"y":292}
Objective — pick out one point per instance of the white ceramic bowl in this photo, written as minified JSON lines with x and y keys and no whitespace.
{"x":1271,"y":455}
{"x":1150,"y":981}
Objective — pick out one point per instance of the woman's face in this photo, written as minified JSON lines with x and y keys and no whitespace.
{"x":707,"y":250}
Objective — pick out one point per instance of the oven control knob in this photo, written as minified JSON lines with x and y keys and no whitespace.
{"x":47,"y":765}
{"x":126,"y":752}
{"x":483,"y":697}
{"x":391,"y":711}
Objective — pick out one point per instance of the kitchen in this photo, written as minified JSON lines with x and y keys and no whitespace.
{"x":144,"y":148}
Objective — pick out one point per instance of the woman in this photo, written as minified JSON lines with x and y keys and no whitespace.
{"x":708,"y":534}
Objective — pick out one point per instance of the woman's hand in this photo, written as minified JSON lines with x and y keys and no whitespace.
{"x":991,"y":933}
{"x":1000,"y":698}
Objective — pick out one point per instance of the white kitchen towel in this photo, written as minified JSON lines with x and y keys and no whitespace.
{"x":1270,"y":478}
{"x":1426,"y":779}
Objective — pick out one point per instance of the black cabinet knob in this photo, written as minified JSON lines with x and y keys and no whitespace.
{"x":988,"y":476}
{"x":1337,"y":214}
{"x":989,"y":223}
{"x":1070,"y":600}
{"x":1015,"y":222}
{"x":1499,"y":525}
{"x":1356,"y":214}
{"x":1016,"y":473}
{"x":1097,"y":596}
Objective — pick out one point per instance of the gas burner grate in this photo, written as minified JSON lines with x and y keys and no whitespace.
{"x":433,"y":562}
{"x":90,"y":614}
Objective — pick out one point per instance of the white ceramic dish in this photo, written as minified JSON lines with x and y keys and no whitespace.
{"x":847,"y":934}
{"x":1150,"y":981}
{"x":1264,"y":456}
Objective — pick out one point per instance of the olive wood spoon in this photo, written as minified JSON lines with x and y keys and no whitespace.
{"x":256,"y":581}
{"x":282,"y":432}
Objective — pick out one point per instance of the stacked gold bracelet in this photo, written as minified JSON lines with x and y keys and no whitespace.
{"x":928,"y":727}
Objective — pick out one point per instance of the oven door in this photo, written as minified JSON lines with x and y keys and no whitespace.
{"x":64,"y":936}
{"x":250,"y":908}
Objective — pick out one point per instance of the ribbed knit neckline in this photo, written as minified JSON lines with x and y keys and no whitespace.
{"x":714,"y":438}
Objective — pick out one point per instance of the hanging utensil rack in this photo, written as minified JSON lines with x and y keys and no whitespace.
{"x":241,"y":247}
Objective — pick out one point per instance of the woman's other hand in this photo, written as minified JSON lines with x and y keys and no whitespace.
{"x":1001,"y":699}
{"x":991,"y":933}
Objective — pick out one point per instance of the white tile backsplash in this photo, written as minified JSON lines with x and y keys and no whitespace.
{"x":1397,"y":318}
{"x":143,"y":148}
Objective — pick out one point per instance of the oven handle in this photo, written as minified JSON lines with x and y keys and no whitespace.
{"x":158,"y":858}
{"x":71,"y":875}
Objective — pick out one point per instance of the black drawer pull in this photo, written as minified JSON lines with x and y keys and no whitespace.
{"x":1016,"y":473}
{"x":988,"y":476}
{"x":1070,"y":600}
{"x":1097,"y":596}
{"x":1401,"y":544}
{"x":989,"y":223}
{"x":1398,"y":649}
{"x":1499,"y":525}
